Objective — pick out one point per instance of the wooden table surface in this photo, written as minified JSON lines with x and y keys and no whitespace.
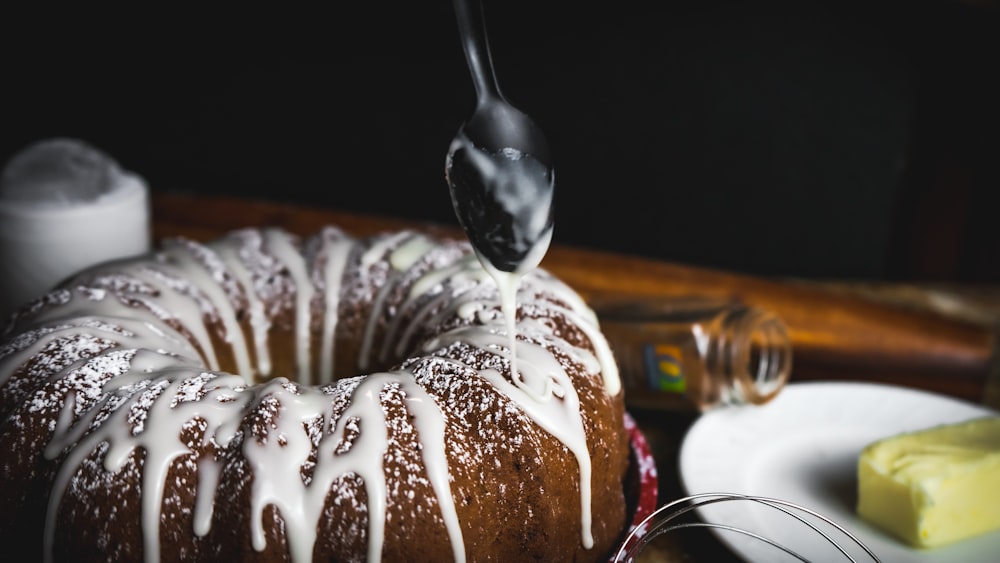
{"x":937,"y":338}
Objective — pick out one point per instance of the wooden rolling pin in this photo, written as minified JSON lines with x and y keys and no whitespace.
{"x":835,"y":336}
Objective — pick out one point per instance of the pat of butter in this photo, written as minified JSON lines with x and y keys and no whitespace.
{"x":934,"y":486}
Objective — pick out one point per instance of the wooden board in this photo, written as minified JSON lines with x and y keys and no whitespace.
{"x":835,"y":334}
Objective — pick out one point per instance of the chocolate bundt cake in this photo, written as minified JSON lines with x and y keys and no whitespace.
{"x":270,"y":397}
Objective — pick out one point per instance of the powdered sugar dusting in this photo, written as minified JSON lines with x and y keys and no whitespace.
{"x":121,"y":368}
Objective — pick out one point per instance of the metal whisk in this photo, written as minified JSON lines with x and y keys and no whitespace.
{"x":669,"y":517}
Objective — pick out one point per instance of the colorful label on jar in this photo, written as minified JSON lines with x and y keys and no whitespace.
{"x":663,"y":368}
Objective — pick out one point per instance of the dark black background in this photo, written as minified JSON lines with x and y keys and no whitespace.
{"x":815,"y":138}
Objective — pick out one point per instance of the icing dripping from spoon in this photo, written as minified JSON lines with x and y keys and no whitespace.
{"x":500,"y":175}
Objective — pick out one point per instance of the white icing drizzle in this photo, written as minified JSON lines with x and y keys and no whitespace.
{"x":277,"y":465}
{"x":174,"y":302}
{"x":380,"y":245}
{"x":410,"y":252}
{"x":404,"y":254}
{"x":462,"y":274}
{"x":605,"y":357}
{"x":209,"y":473}
{"x":189,"y":268}
{"x":465,"y":268}
{"x":338,"y":249}
{"x":402,"y":259}
{"x":159,"y":436}
{"x":507,"y":283}
{"x":545,"y":392}
{"x":168,"y":303}
{"x":259,"y":322}
{"x":542,"y":378}
{"x":158,"y":385}
{"x":280,"y":245}
{"x":584,"y":318}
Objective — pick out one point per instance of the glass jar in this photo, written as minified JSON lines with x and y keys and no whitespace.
{"x":693,"y":354}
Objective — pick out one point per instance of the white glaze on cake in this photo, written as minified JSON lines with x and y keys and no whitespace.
{"x":151,"y":375}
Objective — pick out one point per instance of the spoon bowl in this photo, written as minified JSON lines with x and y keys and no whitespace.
{"x":499,"y":166}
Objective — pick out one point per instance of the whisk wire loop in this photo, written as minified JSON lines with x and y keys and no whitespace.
{"x":733,"y":529}
{"x":659,"y":522}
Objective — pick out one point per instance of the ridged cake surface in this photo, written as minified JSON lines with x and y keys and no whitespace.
{"x":269,"y":397}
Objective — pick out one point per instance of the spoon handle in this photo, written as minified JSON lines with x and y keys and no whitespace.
{"x":472,"y":28}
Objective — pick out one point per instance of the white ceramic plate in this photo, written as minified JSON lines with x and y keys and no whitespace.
{"x":803,"y":447}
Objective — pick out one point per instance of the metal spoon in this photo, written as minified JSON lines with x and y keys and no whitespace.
{"x":499,"y":168}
